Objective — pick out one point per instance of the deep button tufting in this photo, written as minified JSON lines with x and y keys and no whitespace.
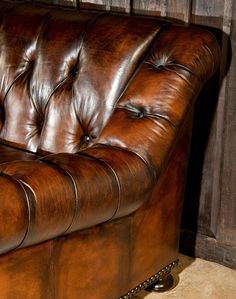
{"x":86,"y":138}
{"x":40,"y":124}
{"x":159,"y":67}
{"x":74,"y":71}
{"x":160,"y":63}
{"x":136,"y":112}
{"x":29,"y":65}
{"x":70,"y":66}
{"x":140,"y":114}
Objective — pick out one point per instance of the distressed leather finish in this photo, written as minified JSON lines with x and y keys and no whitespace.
{"x":92,"y":110}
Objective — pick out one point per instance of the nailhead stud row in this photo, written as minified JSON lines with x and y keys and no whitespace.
{"x":151,"y":280}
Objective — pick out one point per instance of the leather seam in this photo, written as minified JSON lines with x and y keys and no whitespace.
{"x":150,"y":168}
{"x":28,"y":208}
{"x":76,"y":201}
{"x":151,"y":115}
{"x":116,"y":178}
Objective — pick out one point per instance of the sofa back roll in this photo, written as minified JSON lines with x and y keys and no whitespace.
{"x":62,"y":72}
{"x":72,"y":79}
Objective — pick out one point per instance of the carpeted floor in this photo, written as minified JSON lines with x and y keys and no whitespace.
{"x":198,"y":279}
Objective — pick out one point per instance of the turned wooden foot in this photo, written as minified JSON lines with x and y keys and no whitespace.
{"x":162,"y":285}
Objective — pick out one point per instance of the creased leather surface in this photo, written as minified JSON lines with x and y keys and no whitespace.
{"x":8,"y":153}
{"x":103,"y":98}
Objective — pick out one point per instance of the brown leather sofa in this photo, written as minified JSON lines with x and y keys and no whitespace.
{"x":95,"y":123}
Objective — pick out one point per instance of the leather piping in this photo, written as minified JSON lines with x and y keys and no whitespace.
{"x":28,"y":206}
{"x":76,"y":200}
{"x":116,"y":178}
{"x":150,"y":168}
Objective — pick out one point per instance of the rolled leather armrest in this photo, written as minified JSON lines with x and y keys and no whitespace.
{"x":62,"y":193}
{"x":150,"y":113}
{"x":36,"y":203}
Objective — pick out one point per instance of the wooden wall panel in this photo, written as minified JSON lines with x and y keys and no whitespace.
{"x":121,"y":6}
{"x":95,"y":4}
{"x":210,"y":211}
{"x":211,"y":14}
{"x":150,"y":7}
{"x":226,"y":232}
{"x":179,"y":10}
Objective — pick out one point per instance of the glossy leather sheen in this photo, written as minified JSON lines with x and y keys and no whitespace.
{"x":91,"y":106}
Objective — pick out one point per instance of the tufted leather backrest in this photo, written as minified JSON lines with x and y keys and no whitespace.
{"x":72,"y":79}
{"x":62,"y":72}
{"x":115,"y":90}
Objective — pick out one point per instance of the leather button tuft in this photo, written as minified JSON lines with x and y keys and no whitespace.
{"x":30,"y":65}
{"x":87,"y":138}
{"x":160,"y":66}
{"x":160,"y":63}
{"x":140,"y":114}
{"x":74,"y":71}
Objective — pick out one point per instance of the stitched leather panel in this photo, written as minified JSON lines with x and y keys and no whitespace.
{"x":14,"y":210}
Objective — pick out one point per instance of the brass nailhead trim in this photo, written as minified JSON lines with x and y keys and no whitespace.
{"x":151,"y":280}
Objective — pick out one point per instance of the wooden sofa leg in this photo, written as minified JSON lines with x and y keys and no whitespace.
{"x":162,"y":285}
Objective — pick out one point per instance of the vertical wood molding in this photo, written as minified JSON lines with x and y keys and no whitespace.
{"x":179,"y":10}
{"x":217,"y":210}
{"x":121,"y":6}
{"x":213,"y":14}
{"x":226,"y":232}
{"x":222,"y":102}
{"x":149,"y":7}
{"x":163,"y":8}
{"x":95,"y":4}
